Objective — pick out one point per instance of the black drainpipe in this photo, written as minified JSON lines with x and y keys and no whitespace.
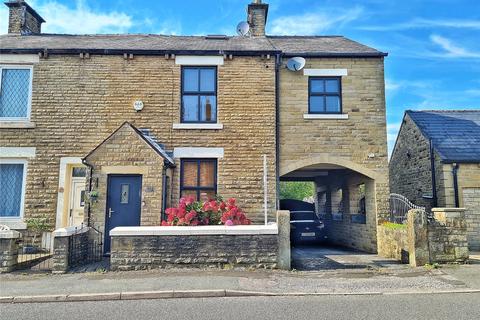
{"x":89,"y":188}
{"x":455,"y":183}
{"x":278,"y":64}
{"x":164,"y":192}
{"x":434,"y":179}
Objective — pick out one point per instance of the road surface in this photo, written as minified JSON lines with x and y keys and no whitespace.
{"x":456,"y":306}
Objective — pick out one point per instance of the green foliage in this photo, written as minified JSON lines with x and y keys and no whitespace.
{"x":394,"y":226}
{"x":296,"y":190}
{"x":38,"y":224}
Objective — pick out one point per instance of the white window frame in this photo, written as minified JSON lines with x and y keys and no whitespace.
{"x":29,"y":104}
{"x":12,"y":222}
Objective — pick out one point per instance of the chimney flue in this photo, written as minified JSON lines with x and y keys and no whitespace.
{"x":257,"y":17}
{"x":22,"y":19}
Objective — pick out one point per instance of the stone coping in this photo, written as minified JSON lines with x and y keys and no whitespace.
{"x":195,"y":230}
{"x":447,"y":209}
{"x":9,"y":234}
{"x":69,"y":231}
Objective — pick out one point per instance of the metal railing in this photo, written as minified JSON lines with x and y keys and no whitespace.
{"x":85,"y":247}
{"x":34,"y":253}
{"x":399,"y":207}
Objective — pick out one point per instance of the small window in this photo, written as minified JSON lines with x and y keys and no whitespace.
{"x":12,"y":177}
{"x":199,"y":95}
{"x":198,"y":178}
{"x":325,"y":95}
{"x":79,"y":172}
{"x":15,"y":92}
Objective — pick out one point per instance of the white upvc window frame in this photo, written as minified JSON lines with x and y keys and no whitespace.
{"x":17,"y":222}
{"x":29,"y":105}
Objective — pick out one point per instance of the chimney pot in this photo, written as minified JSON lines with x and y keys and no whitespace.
{"x":22,"y":19}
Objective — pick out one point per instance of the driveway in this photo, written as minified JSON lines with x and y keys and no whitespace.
{"x":309,"y":258}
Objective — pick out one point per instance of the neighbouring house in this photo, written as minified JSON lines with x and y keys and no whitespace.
{"x":110,"y":130}
{"x":436,"y":163}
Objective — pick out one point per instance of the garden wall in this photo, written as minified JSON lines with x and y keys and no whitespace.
{"x":442,"y":239}
{"x":393,"y":241}
{"x":135,"y":248}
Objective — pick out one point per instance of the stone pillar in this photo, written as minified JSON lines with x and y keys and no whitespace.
{"x":448,"y":235}
{"x":284,"y":255}
{"x":8,"y":250}
{"x":418,"y":238}
{"x":60,"y":254}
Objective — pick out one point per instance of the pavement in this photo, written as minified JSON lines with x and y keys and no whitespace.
{"x":361,"y":274}
{"x":449,"y":306}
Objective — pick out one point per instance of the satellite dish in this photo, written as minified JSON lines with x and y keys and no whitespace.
{"x":243,"y":28}
{"x":296,"y":63}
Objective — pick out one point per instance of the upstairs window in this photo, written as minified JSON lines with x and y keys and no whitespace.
{"x":15,"y":92}
{"x":325,"y":95}
{"x":199,"y":95}
{"x":198,"y":178}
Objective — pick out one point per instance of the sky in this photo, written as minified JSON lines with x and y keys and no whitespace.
{"x":433,"y":46}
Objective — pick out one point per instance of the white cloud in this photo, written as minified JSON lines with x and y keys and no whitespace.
{"x":452,"y":50}
{"x":315,"y":22}
{"x":420,"y":23}
{"x":79,"y":19}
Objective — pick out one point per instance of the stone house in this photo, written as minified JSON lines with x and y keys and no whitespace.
{"x":137,"y":121}
{"x":436,"y":163}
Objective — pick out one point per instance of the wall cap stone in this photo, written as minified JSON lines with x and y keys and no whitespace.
{"x":9,"y":234}
{"x":447,"y":209}
{"x":68,"y":231}
{"x":196,"y":230}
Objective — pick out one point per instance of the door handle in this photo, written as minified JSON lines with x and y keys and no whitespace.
{"x":110,"y":211}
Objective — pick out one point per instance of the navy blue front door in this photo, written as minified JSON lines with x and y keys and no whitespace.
{"x":124,"y":197}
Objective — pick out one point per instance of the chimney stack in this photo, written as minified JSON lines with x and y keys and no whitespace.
{"x":22,"y":19}
{"x":257,"y":18}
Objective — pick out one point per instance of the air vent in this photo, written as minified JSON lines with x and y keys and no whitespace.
{"x":216,"y":37}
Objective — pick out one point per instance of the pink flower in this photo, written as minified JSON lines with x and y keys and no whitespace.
{"x":229,"y":223}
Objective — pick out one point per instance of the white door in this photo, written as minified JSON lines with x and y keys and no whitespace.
{"x":77,"y":202}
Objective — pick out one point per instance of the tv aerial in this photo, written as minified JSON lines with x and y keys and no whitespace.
{"x":296,"y":63}
{"x":243,"y":29}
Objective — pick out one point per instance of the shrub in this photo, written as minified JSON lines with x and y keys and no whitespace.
{"x":212,"y":212}
{"x":394,"y":226}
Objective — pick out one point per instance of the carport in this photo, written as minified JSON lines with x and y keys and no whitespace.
{"x":344,"y":202}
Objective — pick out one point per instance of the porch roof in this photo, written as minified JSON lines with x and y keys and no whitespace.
{"x":143,"y":134}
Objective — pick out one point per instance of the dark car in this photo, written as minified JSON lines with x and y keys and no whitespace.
{"x":305,"y":225}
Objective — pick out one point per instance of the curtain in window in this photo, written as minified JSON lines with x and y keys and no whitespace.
{"x":14,"y":93}
{"x":11,"y":182}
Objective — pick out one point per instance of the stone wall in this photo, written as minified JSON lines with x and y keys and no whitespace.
{"x":8,"y":250}
{"x":149,"y":251}
{"x":348,"y":233}
{"x":440,"y":240}
{"x":471,"y":201}
{"x":410,"y":168}
{"x":77,"y":103}
{"x":393,"y":242}
{"x":358,"y":143}
{"x":447,"y":235}
{"x":67,"y":254}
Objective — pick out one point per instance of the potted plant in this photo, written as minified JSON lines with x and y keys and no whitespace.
{"x":38,"y":225}
{"x":93,"y":196}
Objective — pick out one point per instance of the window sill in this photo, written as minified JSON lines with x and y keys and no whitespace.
{"x":17,"y":124}
{"x":312,"y":116}
{"x":202,"y":126}
{"x":14,"y":224}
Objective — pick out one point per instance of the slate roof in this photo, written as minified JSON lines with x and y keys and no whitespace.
{"x":289,"y":45}
{"x":455,"y":134}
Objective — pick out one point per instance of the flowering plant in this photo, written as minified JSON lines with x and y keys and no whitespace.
{"x":212,"y":212}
